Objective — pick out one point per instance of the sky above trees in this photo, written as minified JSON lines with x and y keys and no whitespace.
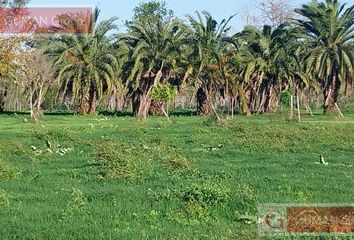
{"x":218,"y":8}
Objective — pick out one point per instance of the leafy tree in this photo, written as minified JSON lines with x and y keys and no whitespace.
{"x":152,"y":11}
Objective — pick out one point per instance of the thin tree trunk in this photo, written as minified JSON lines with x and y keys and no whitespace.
{"x":232,"y":107}
{"x":33,"y":115}
{"x":40,"y":100}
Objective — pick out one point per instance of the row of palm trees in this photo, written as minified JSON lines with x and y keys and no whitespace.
{"x":313,"y":54}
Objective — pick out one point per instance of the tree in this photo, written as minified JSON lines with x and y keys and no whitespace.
{"x":10,"y":58}
{"x":328,"y":31}
{"x":152,"y":11}
{"x":85,"y":65}
{"x":208,"y":41}
{"x":154,"y":45}
{"x":36,"y":77}
{"x":275,"y":12}
{"x":262,"y":66}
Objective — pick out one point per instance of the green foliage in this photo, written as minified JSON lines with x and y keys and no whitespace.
{"x":174,"y":159}
{"x":152,"y":11}
{"x":85,"y":62}
{"x":7,"y":171}
{"x":210,"y":194}
{"x":163,"y":92}
{"x":328,"y":32}
{"x":232,"y":168}
{"x":76,"y":204}
{"x":121,"y":161}
{"x":285,"y":98}
{"x":4,"y":199}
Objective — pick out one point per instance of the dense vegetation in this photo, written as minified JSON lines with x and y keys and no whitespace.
{"x":89,"y":170}
{"x":309,"y":57}
{"x":87,"y":177}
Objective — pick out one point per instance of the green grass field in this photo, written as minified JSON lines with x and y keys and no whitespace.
{"x":123,"y":178}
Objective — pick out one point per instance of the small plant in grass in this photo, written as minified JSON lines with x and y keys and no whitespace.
{"x":206,"y":195}
{"x":198,"y":210}
{"x":7,"y":171}
{"x":246,"y":198}
{"x":120,"y":161}
{"x":4,"y":199}
{"x":76,"y":204}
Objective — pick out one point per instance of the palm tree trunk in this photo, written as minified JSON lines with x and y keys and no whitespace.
{"x":248,"y":104}
{"x":156,"y":108}
{"x":84,"y":105}
{"x":140,"y":103}
{"x":2,"y":100}
{"x":203,"y":101}
{"x":330,"y":94}
{"x":92,"y":99}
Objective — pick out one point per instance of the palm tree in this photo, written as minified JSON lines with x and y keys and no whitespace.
{"x":208,"y":42}
{"x":154,"y":56}
{"x":328,"y":30}
{"x":85,"y":65}
{"x":263,"y":66}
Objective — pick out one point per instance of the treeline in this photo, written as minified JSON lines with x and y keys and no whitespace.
{"x":309,"y":55}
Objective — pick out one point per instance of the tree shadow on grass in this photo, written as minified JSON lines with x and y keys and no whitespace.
{"x":183,"y":113}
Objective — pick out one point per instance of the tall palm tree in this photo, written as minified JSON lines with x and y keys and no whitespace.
{"x":85,"y":65}
{"x":208,"y":42}
{"x":154,"y":56}
{"x":328,"y":30}
{"x":263,"y":64}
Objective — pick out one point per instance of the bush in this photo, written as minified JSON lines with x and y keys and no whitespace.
{"x":285,"y":98}
{"x":163,"y":93}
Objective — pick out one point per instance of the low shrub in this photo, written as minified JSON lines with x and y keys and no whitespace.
{"x":210,"y":194}
{"x":121,"y":161}
{"x":174,"y":159}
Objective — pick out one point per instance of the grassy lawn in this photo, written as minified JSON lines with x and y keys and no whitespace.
{"x":123,"y":178}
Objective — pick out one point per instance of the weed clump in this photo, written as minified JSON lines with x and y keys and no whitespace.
{"x":4,"y":199}
{"x":120,"y":161}
{"x":76,"y":204}
{"x":174,"y":159}
{"x":7,"y":171}
{"x":206,"y":194}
